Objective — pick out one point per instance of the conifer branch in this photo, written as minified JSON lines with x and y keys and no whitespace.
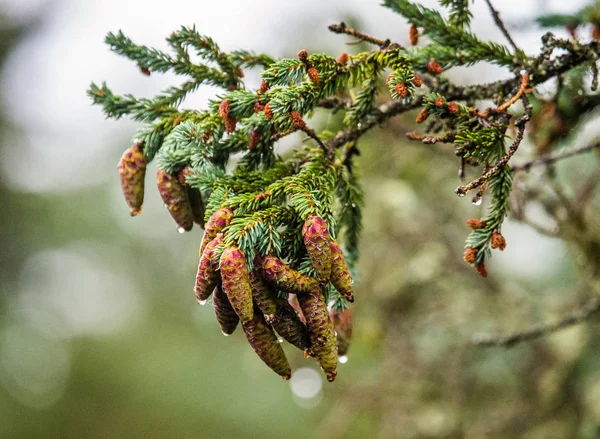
{"x":501,"y":25}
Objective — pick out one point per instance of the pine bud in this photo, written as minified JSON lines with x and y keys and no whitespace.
{"x":175,"y":197}
{"x":470,"y":255}
{"x":224,"y":312}
{"x":296,"y":118}
{"x":417,"y":81}
{"x":401,"y":89}
{"x":423,"y":115}
{"x":481,"y":270}
{"x":320,"y":329}
{"x":258,"y":107}
{"x":262,"y":295}
{"x":224,"y":108}
{"x":264,"y":86}
{"x":340,"y":275}
{"x":413,"y":34}
{"x":132,"y":170}
{"x":453,"y":107}
{"x":434,"y":67}
{"x":498,"y":241}
{"x":342,"y":325}
{"x":289,"y":325}
{"x":264,"y":342}
{"x":268,"y":111}
{"x":206,"y":276}
{"x":253,"y":140}
{"x":439,"y":102}
{"x":313,"y":75}
{"x":343,"y":58}
{"x":302,"y":55}
{"x":475,"y":224}
{"x":236,"y":282}
{"x":316,"y":240}
{"x":215,"y":225}
{"x":285,"y":278}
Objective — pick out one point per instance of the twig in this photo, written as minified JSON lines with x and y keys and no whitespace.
{"x":551,"y":158}
{"x":343,"y":29}
{"x":589,"y":308}
{"x":501,"y":25}
{"x":520,"y":124}
{"x":329,"y":150}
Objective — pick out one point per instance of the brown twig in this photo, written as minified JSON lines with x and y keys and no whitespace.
{"x":329,"y":151}
{"x":343,"y":29}
{"x":520,"y":124}
{"x":501,"y":25}
{"x":589,"y":308}
{"x":548,"y":159}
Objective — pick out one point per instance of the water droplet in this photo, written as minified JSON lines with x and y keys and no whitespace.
{"x":477,"y":201}
{"x":353,"y":204}
{"x":202,"y":302}
{"x":335,"y":333}
{"x":180,"y":230}
{"x":165,"y":206}
{"x":343,"y":359}
{"x":460,"y":194}
{"x":279,"y":340}
{"x":359,"y":125}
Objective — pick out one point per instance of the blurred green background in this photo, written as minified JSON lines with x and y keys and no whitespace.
{"x":100,"y":335}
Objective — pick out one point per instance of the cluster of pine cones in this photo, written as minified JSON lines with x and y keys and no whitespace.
{"x":250,"y":296}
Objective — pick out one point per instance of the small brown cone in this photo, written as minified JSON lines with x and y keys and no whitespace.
{"x":317,"y":243}
{"x":215,"y":225}
{"x":262,"y":295}
{"x":340,"y":275}
{"x":206,"y":277}
{"x":279,"y":274}
{"x":132,"y":170}
{"x":342,"y":325}
{"x":226,"y":316}
{"x":264,"y":342}
{"x":175,"y":197}
{"x":288,"y":325}
{"x":320,"y":329}
{"x":236,"y":282}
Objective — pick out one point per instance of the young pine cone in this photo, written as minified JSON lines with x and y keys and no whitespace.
{"x":262,"y":295}
{"x":265,"y":344}
{"x":132,"y":170}
{"x":288,"y":325}
{"x":207,"y":277}
{"x":342,"y":325}
{"x":224,"y":312}
{"x":316,"y":240}
{"x":320,"y":329}
{"x":285,"y":278}
{"x":216,"y":223}
{"x":175,"y":197}
{"x":197,"y":206}
{"x":236,"y":282}
{"x":340,"y":275}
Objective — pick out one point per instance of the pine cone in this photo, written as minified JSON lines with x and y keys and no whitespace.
{"x":215,"y":225}
{"x":207,"y":277}
{"x":316,"y":240}
{"x":132,"y":170}
{"x":340,"y":275}
{"x":175,"y":197}
{"x":236,"y":282}
{"x":279,"y":274}
{"x":224,"y":312}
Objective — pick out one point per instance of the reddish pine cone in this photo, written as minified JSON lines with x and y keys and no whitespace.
{"x":268,"y":111}
{"x":340,"y":275}
{"x":264,"y":86}
{"x":302,"y":55}
{"x":313,"y":75}
{"x":401,"y":89}
{"x":470,"y":255}
{"x":439,"y":102}
{"x":283,"y":277}
{"x":453,"y":107}
{"x":342,"y":325}
{"x":288,"y":324}
{"x":230,"y":124}
{"x":258,"y":107}
{"x":481,"y":270}
{"x":417,"y":81}
{"x":475,"y":224}
{"x":262,"y":295}
{"x":224,"y":312}
{"x":498,"y":241}
{"x":132,"y":170}
{"x":253,"y":140}
{"x":320,"y":330}
{"x":413,"y":34}
{"x":434,"y":67}
{"x":215,"y":225}
{"x":236,"y":282}
{"x":264,"y":342}
{"x":316,"y":240}
{"x":296,"y":118}
{"x":206,"y":276}
{"x":175,"y":197}
{"x":343,"y":58}
{"x":224,"y":108}
{"x":423,"y":115}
